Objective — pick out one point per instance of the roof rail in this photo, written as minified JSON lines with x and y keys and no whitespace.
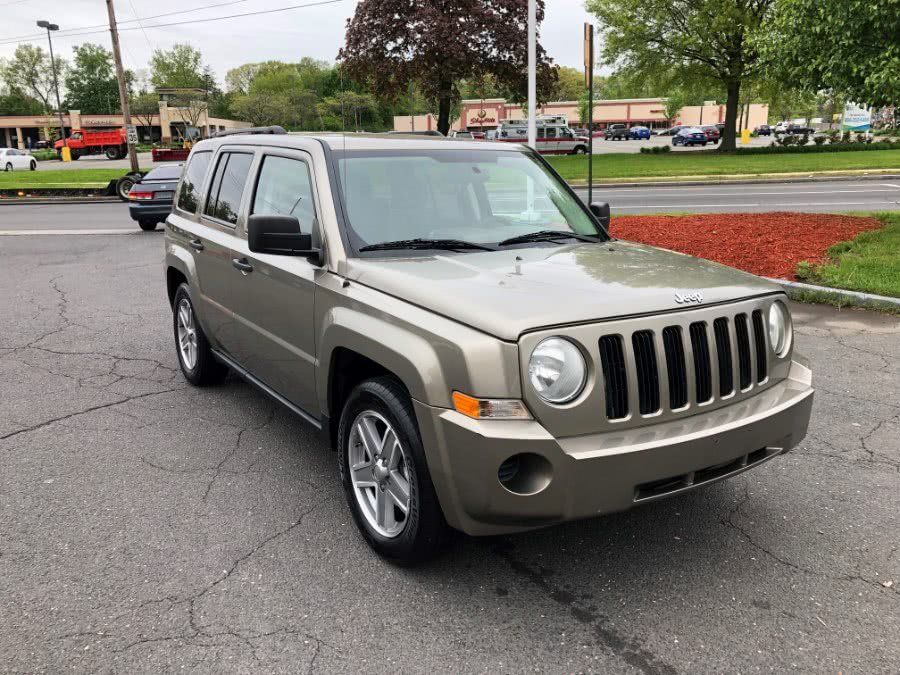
{"x":274,"y":129}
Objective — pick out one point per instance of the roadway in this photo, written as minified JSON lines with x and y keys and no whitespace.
{"x":821,"y":197}
{"x":834,"y":196}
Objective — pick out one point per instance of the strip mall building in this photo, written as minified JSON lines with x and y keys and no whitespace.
{"x":165,"y":126}
{"x":485,"y":114}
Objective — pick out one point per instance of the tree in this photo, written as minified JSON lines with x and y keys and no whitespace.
{"x":91,"y":82}
{"x":30,"y":72}
{"x":262,"y":109}
{"x":438,"y":43}
{"x":675,"y":101}
{"x":238,"y":80}
{"x":714,"y":38}
{"x":144,"y":107}
{"x":569,"y":84}
{"x":180,"y":67}
{"x":847,"y":46}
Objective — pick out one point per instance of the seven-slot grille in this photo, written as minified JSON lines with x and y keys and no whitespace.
{"x":698,"y":362}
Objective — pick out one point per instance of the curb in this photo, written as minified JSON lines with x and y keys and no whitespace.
{"x":762,"y":180}
{"x":800,"y":291}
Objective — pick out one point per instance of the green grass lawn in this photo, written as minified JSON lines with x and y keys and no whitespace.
{"x":618,"y":166}
{"x":869,"y":263}
{"x":59,"y":178}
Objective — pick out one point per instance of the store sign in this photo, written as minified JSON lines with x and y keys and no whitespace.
{"x":475,"y":119}
{"x":856,"y":118}
{"x":104,"y":122}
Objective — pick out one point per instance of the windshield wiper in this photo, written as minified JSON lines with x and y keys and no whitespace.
{"x":548,"y":235}
{"x":424,"y":244}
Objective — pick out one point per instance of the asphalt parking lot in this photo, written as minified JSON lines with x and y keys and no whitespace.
{"x":149,"y":526}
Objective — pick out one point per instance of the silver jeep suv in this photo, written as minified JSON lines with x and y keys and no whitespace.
{"x":467,"y":335}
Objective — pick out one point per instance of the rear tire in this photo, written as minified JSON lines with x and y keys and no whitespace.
{"x":198,"y":365}
{"x":33,"y":166}
{"x":8,"y":167}
{"x":383,"y":405}
{"x":148,"y":225}
{"x":112,"y":152}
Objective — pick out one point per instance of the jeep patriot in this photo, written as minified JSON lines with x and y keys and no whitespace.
{"x":465,"y":332}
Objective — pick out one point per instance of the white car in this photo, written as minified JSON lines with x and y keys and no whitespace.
{"x":12,"y":159}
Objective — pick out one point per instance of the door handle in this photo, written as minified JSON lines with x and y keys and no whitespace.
{"x":196,"y":244}
{"x":242,"y":265}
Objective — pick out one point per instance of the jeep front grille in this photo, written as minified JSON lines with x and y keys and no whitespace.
{"x":699,"y":360}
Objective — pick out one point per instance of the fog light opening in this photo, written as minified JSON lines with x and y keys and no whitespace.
{"x":525,"y":473}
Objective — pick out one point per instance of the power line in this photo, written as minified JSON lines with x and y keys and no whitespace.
{"x":67,"y":31}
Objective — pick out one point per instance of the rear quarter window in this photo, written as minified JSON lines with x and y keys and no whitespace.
{"x":189,"y":192}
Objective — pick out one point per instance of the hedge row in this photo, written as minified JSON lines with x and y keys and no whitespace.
{"x":829,"y":147}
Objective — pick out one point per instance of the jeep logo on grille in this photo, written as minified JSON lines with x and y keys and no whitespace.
{"x":688,"y":297}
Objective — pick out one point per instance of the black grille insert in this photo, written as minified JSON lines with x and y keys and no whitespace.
{"x":743,"y":344}
{"x":723,"y":353}
{"x":612,"y":360}
{"x":675,"y":367}
{"x":702,"y":372}
{"x":759,"y":339}
{"x":647,"y":373}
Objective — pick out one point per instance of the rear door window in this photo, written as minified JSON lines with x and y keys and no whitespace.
{"x":229,"y":180}
{"x":189,"y":192}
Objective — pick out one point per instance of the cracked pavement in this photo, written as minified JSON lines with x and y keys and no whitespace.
{"x":149,"y":526}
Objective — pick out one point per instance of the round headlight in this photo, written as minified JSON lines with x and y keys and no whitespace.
{"x":779,"y":328}
{"x":556,"y":370}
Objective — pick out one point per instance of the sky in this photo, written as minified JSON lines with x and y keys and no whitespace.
{"x":316,"y":31}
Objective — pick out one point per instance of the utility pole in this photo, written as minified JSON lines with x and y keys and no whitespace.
{"x":532,"y":73}
{"x":123,"y":90}
{"x":589,"y":81}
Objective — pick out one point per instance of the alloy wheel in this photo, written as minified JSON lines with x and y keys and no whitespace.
{"x":187,"y":334}
{"x":380,"y":473}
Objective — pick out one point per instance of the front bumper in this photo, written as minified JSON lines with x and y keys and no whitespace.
{"x":607,"y":472}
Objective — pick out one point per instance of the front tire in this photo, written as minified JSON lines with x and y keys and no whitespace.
{"x":385,"y":474}
{"x":8,"y":167}
{"x":198,"y":365}
{"x":32,"y":166}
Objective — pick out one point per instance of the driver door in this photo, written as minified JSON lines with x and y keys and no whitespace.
{"x":274,"y":300}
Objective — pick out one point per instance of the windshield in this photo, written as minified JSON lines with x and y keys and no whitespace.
{"x":481,"y":197}
{"x":172,"y":172}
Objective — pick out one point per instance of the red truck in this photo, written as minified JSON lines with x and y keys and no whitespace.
{"x":110,"y":142}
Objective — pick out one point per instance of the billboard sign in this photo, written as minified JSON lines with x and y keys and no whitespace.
{"x":856,"y":118}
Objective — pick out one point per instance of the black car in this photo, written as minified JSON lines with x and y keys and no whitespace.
{"x":794,"y":130}
{"x":150,"y":199}
{"x":763,"y":130}
{"x":690,"y":136}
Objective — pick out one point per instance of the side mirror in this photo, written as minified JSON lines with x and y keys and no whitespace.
{"x":280,"y":235}
{"x":601,"y":213}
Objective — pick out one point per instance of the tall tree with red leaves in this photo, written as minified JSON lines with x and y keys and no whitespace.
{"x":438,"y":43}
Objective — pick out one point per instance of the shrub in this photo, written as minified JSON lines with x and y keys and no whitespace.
{"x":860,"y":138}
{"x":819,"y":140}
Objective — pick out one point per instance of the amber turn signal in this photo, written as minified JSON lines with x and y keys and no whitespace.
{"x":485,"y":408}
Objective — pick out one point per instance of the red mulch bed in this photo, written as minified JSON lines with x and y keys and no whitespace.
{"x":768,"y":244}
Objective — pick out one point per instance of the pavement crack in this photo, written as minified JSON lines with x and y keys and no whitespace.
{"x":86,"y":411}
{"x":631,"y":651}
{"x":219,"y":468}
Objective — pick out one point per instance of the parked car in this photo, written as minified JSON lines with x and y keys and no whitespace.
{"x":671,"y":131}
{"x":12,"y":159}
{"x":367,"y":302}
{"x":794,"y":129}
{"x":690,"y":136}
{"x":713,"y":135}
{"x":462,"y":135}
{"x":599,"y":133}
{"x":640,"y":133}
{"x":429,"y":132}
{"x":617,"y":132}
{"x":109,"y":142}
{"x":150,"y":198}
{"x":763,"y":130}
{"x":478,"y":135}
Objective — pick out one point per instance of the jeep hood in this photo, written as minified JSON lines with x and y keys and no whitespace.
{"x":509,"y":292}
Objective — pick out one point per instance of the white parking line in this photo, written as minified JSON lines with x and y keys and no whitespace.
{"x":22,"y":233}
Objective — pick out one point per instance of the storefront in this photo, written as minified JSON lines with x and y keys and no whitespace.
{"x":165,"y":126}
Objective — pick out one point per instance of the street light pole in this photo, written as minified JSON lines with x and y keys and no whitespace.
{"x":532,"y":73}
{"x":120,"y":76}
{"x":62,"y":127}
